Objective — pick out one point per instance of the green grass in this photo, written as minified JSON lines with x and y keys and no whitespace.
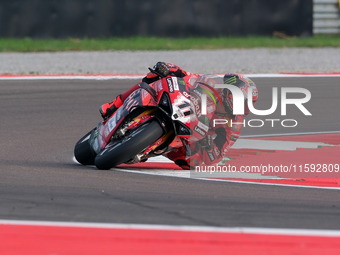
{"x":153,"y":43}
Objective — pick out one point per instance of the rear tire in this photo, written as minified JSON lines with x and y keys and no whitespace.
{"x":131,"y":145}
{"x":83,"y":152}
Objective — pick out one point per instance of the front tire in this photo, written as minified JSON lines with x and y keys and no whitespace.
{"x":83,"y":152}
{"x":122,"y":151}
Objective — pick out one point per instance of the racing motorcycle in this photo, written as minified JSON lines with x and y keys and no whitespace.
{"x":154,"y":120}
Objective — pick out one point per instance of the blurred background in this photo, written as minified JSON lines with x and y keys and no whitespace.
{"x":42,"y":19}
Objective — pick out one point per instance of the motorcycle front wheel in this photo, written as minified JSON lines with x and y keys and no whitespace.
{"x":121,"y":151}
{"x":83,"y":152}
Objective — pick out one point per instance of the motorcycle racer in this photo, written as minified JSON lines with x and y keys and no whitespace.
{"x":218,"y":138}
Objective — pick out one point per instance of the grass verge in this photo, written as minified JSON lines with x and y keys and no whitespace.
{"x":155,"y":43}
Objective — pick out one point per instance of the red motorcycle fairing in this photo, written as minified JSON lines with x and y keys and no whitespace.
{"x":138,"y":98}
{"x":172,"y":97}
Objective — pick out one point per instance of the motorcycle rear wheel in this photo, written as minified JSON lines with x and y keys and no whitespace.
{"x":134,"y":143}
{"x":83,"y":152}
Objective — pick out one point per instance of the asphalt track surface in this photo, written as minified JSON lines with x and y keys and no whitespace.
{"x":41,"y":120}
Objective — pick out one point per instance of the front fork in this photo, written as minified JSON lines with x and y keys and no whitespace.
{"x":145,"y":116}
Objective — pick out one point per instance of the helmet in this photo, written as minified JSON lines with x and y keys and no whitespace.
{"x":243,"y":83}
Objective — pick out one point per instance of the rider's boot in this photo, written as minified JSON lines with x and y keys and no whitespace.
{"x":106,"y":110}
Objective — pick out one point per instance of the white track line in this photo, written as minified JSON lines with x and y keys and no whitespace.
{"x":139,"y":76}
{"x":180,"y":175}
{"x":291,"y":75}
{"x":72,"y":77}
{"x":291,"y":134}
{"x":236,"y":230}
{"x":274,"y":145}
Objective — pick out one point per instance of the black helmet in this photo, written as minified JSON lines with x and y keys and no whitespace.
{"x":243,"y":83}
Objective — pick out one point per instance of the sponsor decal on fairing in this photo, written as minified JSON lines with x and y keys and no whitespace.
{"x":175,"y":83}
{"x":200,"y":131}
{"x":170,"y":85}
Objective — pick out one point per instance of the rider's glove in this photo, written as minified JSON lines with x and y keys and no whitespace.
{"x":207,"y":142}
{"x":161,"y":69}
